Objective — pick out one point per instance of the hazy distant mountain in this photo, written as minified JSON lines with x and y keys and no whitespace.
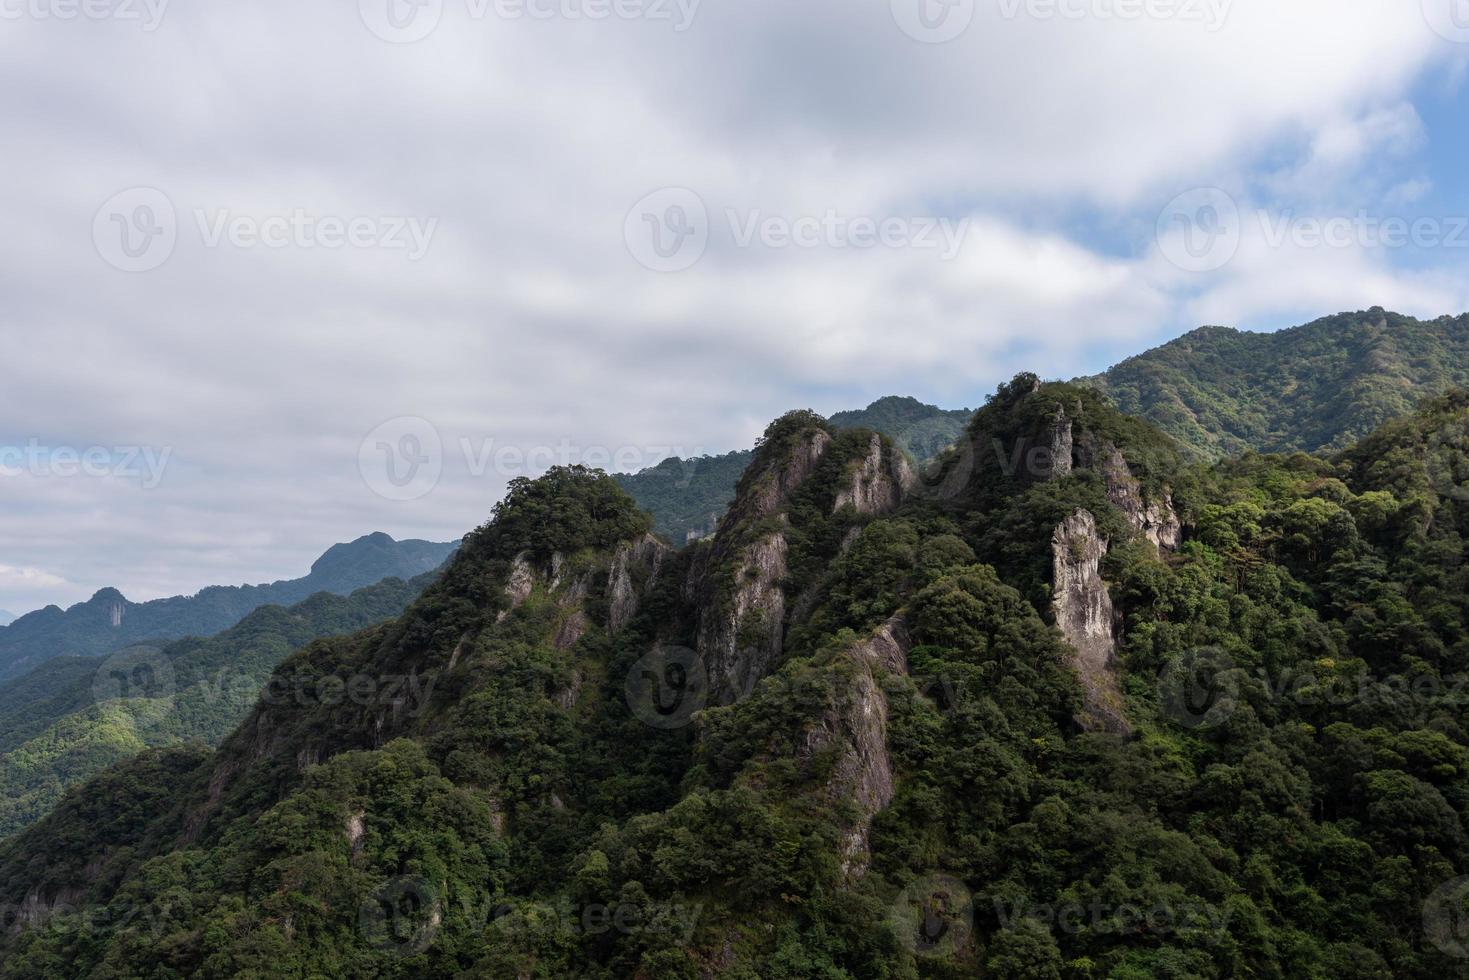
{"x":72,"y":716}
{"x":1320,"y":386}
{"x":688,"y":496}
{"x":108,"y":621}
{"x":6,"y":617}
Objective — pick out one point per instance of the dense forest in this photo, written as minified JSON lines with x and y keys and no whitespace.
{"x":1067,"y":702}
{"x":1324,"y":385}
{"x":109,"y":622}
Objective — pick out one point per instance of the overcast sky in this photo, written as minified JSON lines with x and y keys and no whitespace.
{"x":279,"y":273}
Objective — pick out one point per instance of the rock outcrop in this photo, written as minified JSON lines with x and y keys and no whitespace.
{"x":1083,"y":609}
{"x":1155,"y":519}
{"x":876,"y":485}
{"x":741,"y":638}
{"x":738,"y":582}
{"x":634,"y":565}
{"x":1062,"y":444}
{"x":854,"y":727}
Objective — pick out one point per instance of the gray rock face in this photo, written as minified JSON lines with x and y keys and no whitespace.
{"x":742,"y":625}
{"x":1062,"y":444}
{"x":741,"y":641}
{"x":876,"y":487}
{"x":855,"y":728}
{"x":623,"y":590}
{"x":1155,"y":519}
{"x":1083,"y":609}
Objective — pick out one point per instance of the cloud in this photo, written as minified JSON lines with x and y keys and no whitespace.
{"x":530,"y":322}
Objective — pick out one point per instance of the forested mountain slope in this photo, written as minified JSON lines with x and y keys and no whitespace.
{"x":109,"y":622}
{"x":71,"y":717}
{"x":1058,"y":706}
{"x":1320,"y":386}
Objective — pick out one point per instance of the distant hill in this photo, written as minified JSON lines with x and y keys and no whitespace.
{"x":6,"y":617}
{"x":108,"y":621}
{"x":688,"y":496}
{"x":71,"y":717}
{"x":1320,"y":386}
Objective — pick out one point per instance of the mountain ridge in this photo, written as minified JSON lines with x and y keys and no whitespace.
{"x":108,"y":621}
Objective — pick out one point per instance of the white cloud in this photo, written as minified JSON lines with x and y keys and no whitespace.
{"x":529,"y":322}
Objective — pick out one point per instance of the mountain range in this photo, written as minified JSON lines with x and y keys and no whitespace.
{"x":1067,"y":702}
{"x":1073,"y":699}
{"x":108,"y":621}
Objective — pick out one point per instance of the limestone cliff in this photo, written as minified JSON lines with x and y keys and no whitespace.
{"x":1154,"y":518}
{"x":1083,"y":609}
{"x":876,"y":482}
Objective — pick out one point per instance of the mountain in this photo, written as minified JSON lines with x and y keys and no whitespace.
{"x":6,"y":617}
{"x":71,"y":717}
{"x":1320,"y":386}
{"x":687,"y":496}
{"x":108,"y":621}
{"x":1059,"y":704}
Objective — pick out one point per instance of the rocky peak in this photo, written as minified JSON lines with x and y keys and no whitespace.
{"x":1083,"y":609}
{"x":877,"y":481}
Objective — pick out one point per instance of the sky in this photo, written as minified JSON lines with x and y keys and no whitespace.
{"x":274,"y":275}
